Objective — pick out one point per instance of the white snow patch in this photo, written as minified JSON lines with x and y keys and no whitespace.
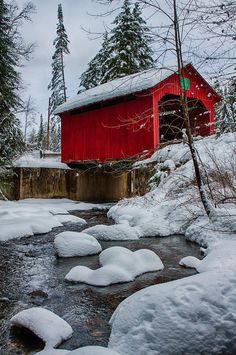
{"x":190,"y":261}
{"x":69,"y":244}
{"x":118,"y":265}
{"x":33,"y":160}
{"x":94,"y":350}
{"x":36,"y":216}
{"x":113,"y":232}
{"x":53,"y":352}
{"x":45,"y":324}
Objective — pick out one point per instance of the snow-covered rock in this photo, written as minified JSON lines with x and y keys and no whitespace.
{"x":93,"y":350}
{"x":114,"y":232}
{"x":190,"y":261}
{"x":69,"y":244}
{"x":53,"y":352}
{"x":48,"y":326}
{"x":118,"y":265}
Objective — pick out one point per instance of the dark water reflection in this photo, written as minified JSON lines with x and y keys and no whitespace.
{"x":31,"y":275}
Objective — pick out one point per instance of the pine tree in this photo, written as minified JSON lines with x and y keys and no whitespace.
{"x":32,"y":139}
{"x":57,"y":84}
{"x":225,"y":111}
{"x":41,"y":134}
{"x":126,"y":50}
{"x":94,"y":75}
{"x":129,"y":44}
{"x":12,"y":50}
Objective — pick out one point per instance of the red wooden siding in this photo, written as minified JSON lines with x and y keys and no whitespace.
{"x":126,"y":128}
{"x":199,"y":89}
{"x":112,"y":132}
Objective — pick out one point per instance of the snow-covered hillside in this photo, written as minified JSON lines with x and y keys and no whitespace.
{"x":197,"y":314}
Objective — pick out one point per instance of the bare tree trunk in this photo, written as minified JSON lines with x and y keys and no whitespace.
{"x":63,"y":75}
{"x":48,"y":125}
{"x":184,"y":104}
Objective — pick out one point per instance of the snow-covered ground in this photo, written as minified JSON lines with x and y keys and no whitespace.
{"x":195,"y":315}
{"x":118,"y":265}
{"x":69,"y":244}
{"x":34,"y":216}
{"x":33,"y":160}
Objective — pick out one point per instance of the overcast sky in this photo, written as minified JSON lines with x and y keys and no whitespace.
{"x":42,"y":31}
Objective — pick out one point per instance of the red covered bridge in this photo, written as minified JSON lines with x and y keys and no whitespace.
{"x":129,"y":116}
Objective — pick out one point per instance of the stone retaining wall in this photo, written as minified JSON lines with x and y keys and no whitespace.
{"x":90,"y":185}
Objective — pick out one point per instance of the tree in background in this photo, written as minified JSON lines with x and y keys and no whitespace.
{"x":125,"y":50}
{"x":57,"y":84}
{"x":12,"y":51}
{"x":41,"y":135}
{"x":94,"y":75}
{"x":225,"y":111}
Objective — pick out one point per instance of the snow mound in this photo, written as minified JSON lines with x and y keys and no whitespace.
{"x":93,"y":350}
{"x":220,"y":256}
{"x":194,"y":315}
{"x":53,"y":352}
{"x":69,"y":244}
{"x":114,"y":232}
{"x":68,"y":218}
{"x":118,"y":265}
{"x":45,"y":324}
{"x":190,"y":261}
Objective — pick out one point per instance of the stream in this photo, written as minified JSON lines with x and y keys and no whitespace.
{"x":32,"y":275}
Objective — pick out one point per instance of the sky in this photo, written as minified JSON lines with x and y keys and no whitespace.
{"x":80,"y":18}
{"x":36,"y":73}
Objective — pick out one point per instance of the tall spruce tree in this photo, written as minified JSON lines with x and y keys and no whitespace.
{"x":12,"y":50}
{"x":126,"y":50}
{"x":57,"y":84}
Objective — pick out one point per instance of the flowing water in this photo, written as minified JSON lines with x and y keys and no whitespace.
{"x":31,"y":275}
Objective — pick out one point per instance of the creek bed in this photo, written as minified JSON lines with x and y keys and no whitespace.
{"x":31,"y":275}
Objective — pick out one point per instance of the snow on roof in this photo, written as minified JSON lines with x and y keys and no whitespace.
{"x":117,"y":88}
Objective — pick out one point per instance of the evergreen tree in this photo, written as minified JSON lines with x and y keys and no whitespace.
{"x":129,"y":44}
{"x":32,"y":139}
{"x":126,"y":50}
{"x":12,"y":50}
{"x":41,"y":134}
{"x":225,"y":111}
{"x":94,"y":75}
{"x":57,"y":84}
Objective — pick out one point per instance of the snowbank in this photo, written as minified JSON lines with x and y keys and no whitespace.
{"x":194,"y":315}
{"x":33,"y":160}
{"x":69,"y":244}
{"x":53,"y":352}
{"x":45,"y":324}
{"x":35,"y":216}
{"x":118,"y":265}
{"x":93,"y":350}
{"x":174,"y":205}
{"x":114,"y":232}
